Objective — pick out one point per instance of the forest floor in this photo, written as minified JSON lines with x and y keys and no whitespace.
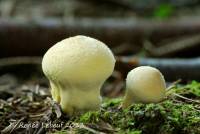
{"x":26,"y":105}
{"x":29,"y":108}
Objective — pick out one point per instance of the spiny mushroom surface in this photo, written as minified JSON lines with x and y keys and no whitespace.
{"x":76,"y":68}
{"x":144,"y":84}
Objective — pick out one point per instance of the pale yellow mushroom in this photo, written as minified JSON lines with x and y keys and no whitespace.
{"x":76,"y":68}
{"x":144,"y":84}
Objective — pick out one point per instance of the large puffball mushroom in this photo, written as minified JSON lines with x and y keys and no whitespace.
{"x":76,"y":68}
{"x":144,"y":84}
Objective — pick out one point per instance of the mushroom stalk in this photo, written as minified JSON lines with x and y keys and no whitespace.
{"x":74,"y":98}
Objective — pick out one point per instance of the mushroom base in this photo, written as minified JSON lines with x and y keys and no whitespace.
{"x":75,"y":100}
{"x":137,"y":97}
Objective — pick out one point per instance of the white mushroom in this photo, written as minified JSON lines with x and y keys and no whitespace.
{"x":144,"y":84}
{"x":76,"y":68}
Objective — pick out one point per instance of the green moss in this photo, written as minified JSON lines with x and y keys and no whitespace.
{"x":192,"y":90}
{"x":173,"y":115}
{"x":111,"y":102}
{"x":91,"y":117}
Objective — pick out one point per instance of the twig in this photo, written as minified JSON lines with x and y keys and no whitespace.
{"x":36,"y":115}
{"x":174,"y":46}
{"x":172,"y":69}
{"x":173,"y":84}
{"x":185,"y":98}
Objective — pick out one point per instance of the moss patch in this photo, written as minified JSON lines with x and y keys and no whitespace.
{"x":179,"y":112}
{"x":173,"y":115}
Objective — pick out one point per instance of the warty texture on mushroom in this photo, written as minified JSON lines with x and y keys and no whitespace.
{"x":76,"y":68}
{"x":144,"y":84}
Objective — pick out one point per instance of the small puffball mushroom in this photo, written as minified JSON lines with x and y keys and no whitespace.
{"x":144,"y":84}
{"x":76,"y":68}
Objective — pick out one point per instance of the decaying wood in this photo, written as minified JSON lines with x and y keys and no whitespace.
{"x":172,"y":69}
{"x":143,"y":6}
{"x":34,"y":37}
{"x":90,"y":8}
{"x":19,"y":61}
{"x":172,"y":47}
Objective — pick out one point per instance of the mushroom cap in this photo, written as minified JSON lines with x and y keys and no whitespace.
{"x":146,"y":84}
{"x":78,"y":59}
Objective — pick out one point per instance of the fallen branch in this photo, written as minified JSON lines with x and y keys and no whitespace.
{"x":34,"y":37}
{"x":173,"y":47}
{"x":172,"y":69}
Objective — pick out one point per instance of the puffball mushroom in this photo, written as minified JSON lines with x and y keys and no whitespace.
{"x":76,"y":68}
{"x":144,"y":84}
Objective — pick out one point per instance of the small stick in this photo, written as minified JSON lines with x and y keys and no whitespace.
{"x":173,"y":84}
{"x":185,"y":98}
